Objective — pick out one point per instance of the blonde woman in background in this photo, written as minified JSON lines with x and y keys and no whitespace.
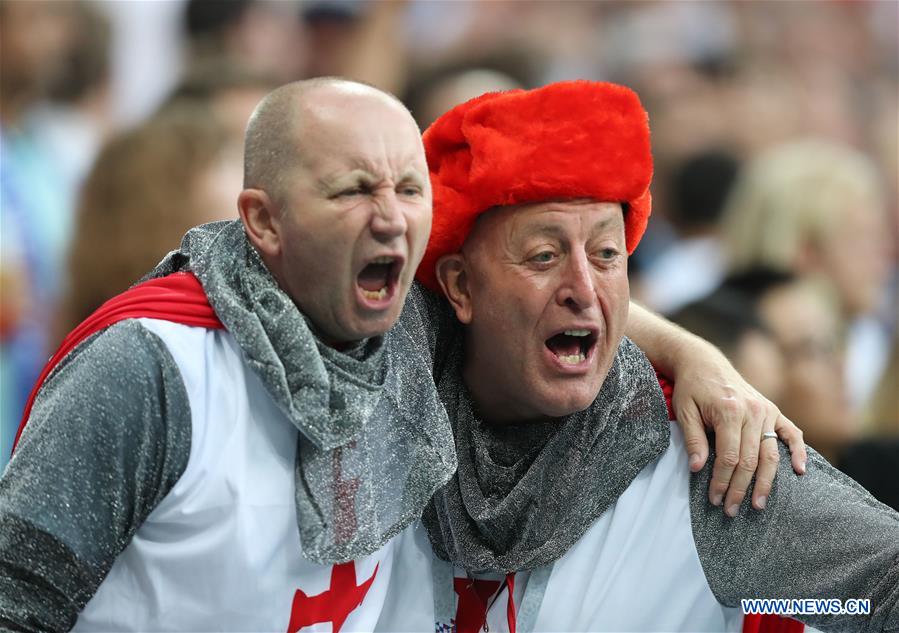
{"x":818,"y":209}
{"x":813,"y":207}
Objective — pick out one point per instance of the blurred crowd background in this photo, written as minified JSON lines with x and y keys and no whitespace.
{"x":775,"y":224}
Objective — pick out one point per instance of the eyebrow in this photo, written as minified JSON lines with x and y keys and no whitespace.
{"x":333,"y":182}
{"x":365,"y":176}
{"x":609,"y":223}
{"x":551,"y":230}
{"x":412,"y":175}
{"x":554,"y":230}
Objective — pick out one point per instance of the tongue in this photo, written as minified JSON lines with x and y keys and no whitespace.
{"x":564,"y":345}
{"x":374,"y":277}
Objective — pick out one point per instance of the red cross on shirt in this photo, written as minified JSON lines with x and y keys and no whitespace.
{"x":333,"y":605}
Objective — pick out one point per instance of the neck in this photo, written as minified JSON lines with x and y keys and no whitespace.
{"x":275,"y":271}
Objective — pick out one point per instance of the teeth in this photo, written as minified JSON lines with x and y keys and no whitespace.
{"x":577,"y":332}
{"x":382,"y":260}
{"x":573,"y":359}
{"x":375,"y":294}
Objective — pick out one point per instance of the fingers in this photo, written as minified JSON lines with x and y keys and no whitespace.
{"x":750,"y":437}
{"x":792,"y":435}
{"x":690,"y":422}
{"x":769,"y":457}
{"x":728,"y":434}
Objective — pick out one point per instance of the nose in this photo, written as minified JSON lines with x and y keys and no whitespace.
{"x":577,"y":289}
{"x":388,"y":220}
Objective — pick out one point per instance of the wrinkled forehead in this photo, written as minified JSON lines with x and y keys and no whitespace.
{"x":566,"y":219}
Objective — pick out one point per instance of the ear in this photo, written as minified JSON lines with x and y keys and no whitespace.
{"x":453,"y":278}
{"x":261,"y":220}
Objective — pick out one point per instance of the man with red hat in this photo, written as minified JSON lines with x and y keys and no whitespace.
{"x":572,"y":508}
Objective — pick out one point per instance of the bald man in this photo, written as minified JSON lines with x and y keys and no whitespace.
{"x":179,"y":477}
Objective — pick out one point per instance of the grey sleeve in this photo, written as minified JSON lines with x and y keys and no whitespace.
{"x":821,"y":536}
{"x":108,"y":437}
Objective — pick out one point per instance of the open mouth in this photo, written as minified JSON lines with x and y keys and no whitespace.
{"x":378,"y":281}
{"x":572,"y":347}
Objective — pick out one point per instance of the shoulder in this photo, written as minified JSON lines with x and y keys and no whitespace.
{"x":834,"y":538}
{"x":113,"y":384}
{"x":125,"y":351}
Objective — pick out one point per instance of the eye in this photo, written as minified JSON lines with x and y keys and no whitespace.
{"x":410,"y":190}
{"x":607,"y":256}
{"x":608,"y":253}
{"x":544,"y":257}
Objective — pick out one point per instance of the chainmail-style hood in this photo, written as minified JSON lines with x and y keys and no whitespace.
{"x":524,"y":494}
{"x":374,"y":441}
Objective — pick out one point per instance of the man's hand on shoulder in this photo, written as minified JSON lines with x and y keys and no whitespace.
{"x":711,"y":396}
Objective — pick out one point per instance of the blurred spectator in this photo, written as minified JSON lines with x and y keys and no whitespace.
{"x":817,"y":208}
{"x":563,"y":35}
{"x":434,"y":88}
{"x":881,"y":416}
{"x":807,"y":328}
{"x":229,"y":90}
{"x":815,"y":394}
{"x":813,"y":207}
{"x":75,"y":119}
{"x":763,"y":106}
{"x":34,"y":217}
{"x":148,"y":186}
{"x":670,"y":34}
{"x":434,"y":92}
{"x":263,"y":35}
{"x":695,"y":263}
{"x":148,"y":51}
{"x":729,"y":321}
{"x":360,"y":40}
{"x":781,"y":332}
{"x":872,"y":463}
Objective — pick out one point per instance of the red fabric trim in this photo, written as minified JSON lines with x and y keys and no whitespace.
{"x":668,"y":389}
{"x":752,"y":623}
{"x":471,"y":608}
{"x":758,"y":623}
{"x":510,"y":605}
{"x":179,"y":298}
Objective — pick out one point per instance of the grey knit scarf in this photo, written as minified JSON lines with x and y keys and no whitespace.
{"x":373,"y":444}
{"x":523,"y":494}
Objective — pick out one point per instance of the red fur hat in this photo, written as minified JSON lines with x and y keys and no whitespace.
{"x":565,"y":141}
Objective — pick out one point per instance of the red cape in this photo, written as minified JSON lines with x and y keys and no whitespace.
{"x":178,"y":297}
